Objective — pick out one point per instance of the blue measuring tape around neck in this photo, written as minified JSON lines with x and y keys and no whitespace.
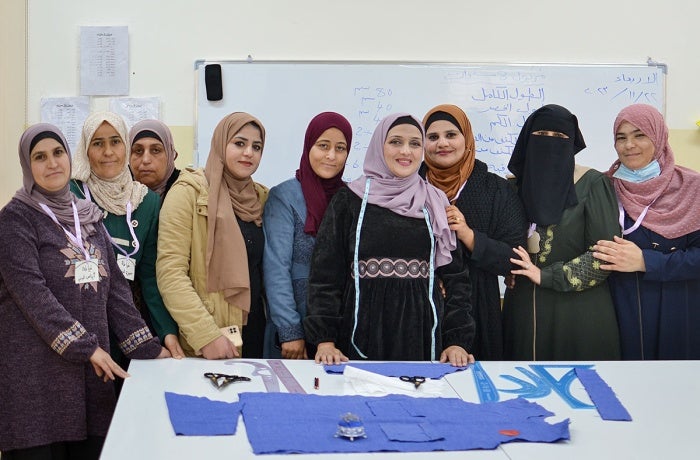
{"x":356,"y":272}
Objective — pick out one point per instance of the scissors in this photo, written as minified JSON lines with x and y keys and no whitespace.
{"x":416,"y":380}
{"x":221,"y":380}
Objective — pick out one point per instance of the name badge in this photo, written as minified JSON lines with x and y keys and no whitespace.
{"x":87,"y":271}
{"x":127,"y":265}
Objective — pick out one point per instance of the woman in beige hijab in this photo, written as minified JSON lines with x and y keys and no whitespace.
{"x":210,"y":246}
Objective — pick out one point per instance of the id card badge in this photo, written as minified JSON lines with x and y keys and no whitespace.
{"x":233,"y":334}
{"x":127,"y":265}
{"x":87,"y":271}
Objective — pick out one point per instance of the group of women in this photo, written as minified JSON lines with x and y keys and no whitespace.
{"x":103,"y":247}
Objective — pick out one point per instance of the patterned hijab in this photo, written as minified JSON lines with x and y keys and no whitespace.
{"x":451,"y":179}
{"x":60,"y":201}
{"x":227,"y":259}
{"x":166,"y":138}
{"x":318,"y":192}
{"x":112,"y":195}
{"x":674,"y":195}
{"x":406,"y":196}
{"x":544,"y":165}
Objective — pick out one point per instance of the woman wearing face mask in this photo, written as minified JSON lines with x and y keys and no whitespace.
{"x":210,"y":246}
{"x":101,"y":174}
{"x":485,"y":213}
{"x":656,"y":264}
{"x":560,"y":307}
{"x":60,"y":297}
{"x":381,"y":251}
{"x":293,"y":213}
{"x":152,"y":159}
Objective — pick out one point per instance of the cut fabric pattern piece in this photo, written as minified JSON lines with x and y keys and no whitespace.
{"x":199,"y":416}
{"x":609,"y":407}
{"x":282,"y":423}
{"x":396,"y":369}
{"x":364,"y":383}
{"x":410,"y":432}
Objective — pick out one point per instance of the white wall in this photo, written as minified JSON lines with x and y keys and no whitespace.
{"x":167,"y":36}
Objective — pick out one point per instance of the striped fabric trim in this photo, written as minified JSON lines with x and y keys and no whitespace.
{"x":65,"y":338}
{"x":135,"y":340}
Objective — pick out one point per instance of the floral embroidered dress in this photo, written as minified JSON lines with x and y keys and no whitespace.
{"x":51,"y":326}
{"x":570,"y":315}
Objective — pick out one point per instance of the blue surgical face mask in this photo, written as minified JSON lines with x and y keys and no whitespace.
{"x":650,"y":171}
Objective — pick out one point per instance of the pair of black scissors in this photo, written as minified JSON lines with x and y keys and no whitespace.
{"x":221,"y":380}
{"x":417,"y":380}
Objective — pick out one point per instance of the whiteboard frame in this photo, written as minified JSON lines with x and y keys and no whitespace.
{"x":200,"y":63}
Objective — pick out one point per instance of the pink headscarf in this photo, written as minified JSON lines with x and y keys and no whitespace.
{"x":675,"y":194}
{"x":405,"y":196}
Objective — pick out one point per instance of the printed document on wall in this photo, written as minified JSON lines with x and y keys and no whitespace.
{"x":104,"y":61}
{"x":68,"y":113}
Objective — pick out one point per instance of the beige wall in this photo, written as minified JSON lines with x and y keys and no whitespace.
{"x":13,"y":77}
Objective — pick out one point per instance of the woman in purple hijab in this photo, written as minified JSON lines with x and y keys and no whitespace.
{"x":383,"y":251}
{"x":61,"y":294}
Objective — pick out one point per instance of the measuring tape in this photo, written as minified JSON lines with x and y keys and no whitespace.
{"x":285,"y":376}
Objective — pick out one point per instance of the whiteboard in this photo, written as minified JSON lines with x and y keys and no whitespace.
{"x":497,"y":98}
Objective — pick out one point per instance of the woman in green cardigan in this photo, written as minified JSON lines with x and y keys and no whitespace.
{"x":101,"y":174}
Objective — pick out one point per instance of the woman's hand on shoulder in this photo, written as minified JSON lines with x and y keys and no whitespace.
{"x":220,"y":348}
{"x":327,"y":353}
{"x":173,"y":346}
{"x":294,"y":349}
{"x":619,"y":255}
{"x":456,"y":356}
{"x":105,"y":367}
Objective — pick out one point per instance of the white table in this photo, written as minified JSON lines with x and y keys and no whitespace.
{"x":662,"y":398}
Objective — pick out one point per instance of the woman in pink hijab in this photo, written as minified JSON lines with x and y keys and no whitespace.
{"x":382,"y":253}
{"x":656,"y":264}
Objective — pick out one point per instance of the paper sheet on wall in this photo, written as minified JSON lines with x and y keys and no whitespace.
{"x":104,"y":61}
{"x":135,"y":109}
{"x":68,"y":113}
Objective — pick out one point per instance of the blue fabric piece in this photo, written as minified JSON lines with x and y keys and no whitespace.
{"x":609,"y":407}
{"x":294,"y":423}
{"x":410,"y":432}
{"x":199,"y":416}
{"x":396,"y":369}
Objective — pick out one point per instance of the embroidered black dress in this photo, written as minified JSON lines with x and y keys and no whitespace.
{"x":395,"y":320}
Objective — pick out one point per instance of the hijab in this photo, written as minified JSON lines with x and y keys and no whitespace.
{"x":227,"y":257}
{"x":317,"y":191}
{"x":544,"y":165}
{"x":451,"y":179}
{"x":147,"y":128}
{"x":113,"y":194}
{"x":59,"y":202}
{"x":405,"y":196}
{"x":673,"y":195}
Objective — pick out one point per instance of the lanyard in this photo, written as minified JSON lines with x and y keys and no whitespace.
{"x":77,"y":239}
{"x":131,"y":230}
{"x":637,"y":222}
{"x":86,"y":192}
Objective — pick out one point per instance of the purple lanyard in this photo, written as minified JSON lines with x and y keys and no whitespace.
{"x":86,"y":191}
{"x":77,"y":239}
{"x":637,"y":222}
